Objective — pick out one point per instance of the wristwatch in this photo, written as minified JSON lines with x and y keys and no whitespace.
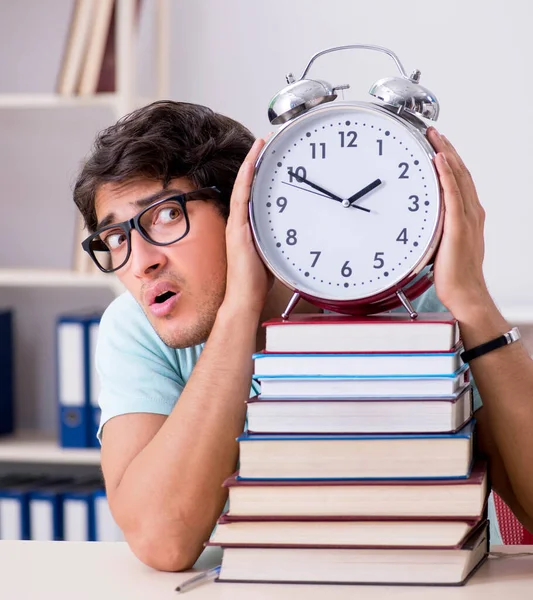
{"x":503,"y":340}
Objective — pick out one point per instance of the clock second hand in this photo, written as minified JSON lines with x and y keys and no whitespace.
{"x":330,"y":194}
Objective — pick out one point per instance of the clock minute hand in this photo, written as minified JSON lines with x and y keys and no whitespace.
{"x":364,"y":192}
{"x":321,"y":189}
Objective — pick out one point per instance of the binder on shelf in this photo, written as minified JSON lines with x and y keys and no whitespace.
{"x":46,"y":514}
{"x":94,"y":385}
{"x":106,"y":529}
{"x":16,"y":492}
{"x":6,"y":372}
{"x":78,"y":513}
{"x":14,"y":507}
{"x":77,"y":387}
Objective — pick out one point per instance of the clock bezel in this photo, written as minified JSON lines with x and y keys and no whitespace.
{"x":386,"y":298}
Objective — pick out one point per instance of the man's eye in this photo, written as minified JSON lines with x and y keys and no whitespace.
{"x":169,"y":214}
{"x":114,"y":240}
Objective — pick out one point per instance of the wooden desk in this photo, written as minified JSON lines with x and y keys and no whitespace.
{"x":93,"y":570}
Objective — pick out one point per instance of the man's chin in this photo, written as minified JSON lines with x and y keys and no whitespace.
{"x":182,"y":333}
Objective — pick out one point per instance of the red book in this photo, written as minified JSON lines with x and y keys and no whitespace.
{"x":346,"y":532}
{"x":387,"y":332}
{"x":393,"y":498}
{"x":341,"y":565}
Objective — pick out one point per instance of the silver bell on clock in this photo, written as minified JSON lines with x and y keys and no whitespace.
{"x":346,"y":205}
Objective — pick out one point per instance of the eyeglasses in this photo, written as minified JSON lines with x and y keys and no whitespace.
{"x":162,"y":223}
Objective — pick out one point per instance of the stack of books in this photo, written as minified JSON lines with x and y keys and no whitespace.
{"x":358,"y":463}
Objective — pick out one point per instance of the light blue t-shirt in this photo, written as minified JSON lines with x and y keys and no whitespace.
{"x":140,"y":374}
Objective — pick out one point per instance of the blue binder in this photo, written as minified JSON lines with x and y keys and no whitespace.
{"x":94,"y":383}
{"x":15,"y":493}
{"x":6,"y":372}
{"x":79,"y":514}
{"x":77,"y":416}
{"x":106,"y":529}
{"x":46,"y":514}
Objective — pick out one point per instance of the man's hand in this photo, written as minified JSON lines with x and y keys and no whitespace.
{"x":248,"y":280}
{"x":459,"y":280}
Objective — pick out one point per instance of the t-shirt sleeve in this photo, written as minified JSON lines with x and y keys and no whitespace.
{"x":136,"y":375}
{"x":429,"y":302}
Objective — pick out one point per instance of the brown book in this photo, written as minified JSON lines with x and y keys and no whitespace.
{"x":424,"y":498}
{"x":94,"y":56}
{"x":76,"y":47}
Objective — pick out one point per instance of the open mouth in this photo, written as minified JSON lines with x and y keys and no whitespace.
{"x":164,"y":297}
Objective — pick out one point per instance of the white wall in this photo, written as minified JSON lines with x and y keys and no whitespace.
{"x":475,"y":55}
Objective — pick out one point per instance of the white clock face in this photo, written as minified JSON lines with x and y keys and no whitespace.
{"x":345,"y":202}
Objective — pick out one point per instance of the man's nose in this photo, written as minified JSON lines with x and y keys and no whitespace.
{"x":145,"y":258}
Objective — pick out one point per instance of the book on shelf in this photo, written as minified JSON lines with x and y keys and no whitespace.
{"x":365,"y":531}
{"x":393,"y":566}
{"x":76,"y":46}
{"x":336,"y":386}
{"x":100,"y":33}
{"x":339,"y":456}
{"x":444,"y":414}
{"x":393,"y":364}
{"x":387,"y":332}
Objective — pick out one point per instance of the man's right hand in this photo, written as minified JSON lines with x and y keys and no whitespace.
{"x":248,"y":280}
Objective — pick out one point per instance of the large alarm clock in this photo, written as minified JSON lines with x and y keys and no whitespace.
{"x":345,"y":205}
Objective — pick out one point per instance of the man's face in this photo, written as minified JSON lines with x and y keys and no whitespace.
{"x":180,"y":287}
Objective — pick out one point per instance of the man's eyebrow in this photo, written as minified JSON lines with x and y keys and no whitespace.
{"x":140,"y":204}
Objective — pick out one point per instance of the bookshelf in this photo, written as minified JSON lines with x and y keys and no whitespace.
{"x":33,"y":446}
{"x":57,"y":278}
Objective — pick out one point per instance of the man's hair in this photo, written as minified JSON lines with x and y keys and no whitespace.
{"x":163,"y":141}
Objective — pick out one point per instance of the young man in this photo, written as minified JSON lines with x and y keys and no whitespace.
{"x":174,"y":352}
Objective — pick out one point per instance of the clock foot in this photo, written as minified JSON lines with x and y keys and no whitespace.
{"x":406,"y":304}
{"x":290,"y":307}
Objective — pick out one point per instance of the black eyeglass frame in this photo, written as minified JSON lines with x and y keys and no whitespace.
{"x":134,"y":223}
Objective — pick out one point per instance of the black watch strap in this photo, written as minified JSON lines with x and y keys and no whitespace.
{"x":503,"y":340}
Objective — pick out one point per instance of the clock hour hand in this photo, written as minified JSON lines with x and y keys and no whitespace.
{"x":324,"y":191}
{"x":364,"y":192}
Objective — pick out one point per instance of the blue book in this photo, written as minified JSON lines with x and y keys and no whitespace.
{"x":356,"y":456}
{"x":75,"y":335}
{"x":339,"y":386}
{"x":416,"y":364}
{"x":6,"y":373}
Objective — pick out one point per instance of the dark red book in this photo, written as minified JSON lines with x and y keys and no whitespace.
{"x":458,"y":499}
{"x":387,"y":332}
{"x":372,"y":566}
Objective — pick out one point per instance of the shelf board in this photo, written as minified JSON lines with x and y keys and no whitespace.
{"x":57,"y":278}
{"x":16,"y":101}
{"x":34,"y":447}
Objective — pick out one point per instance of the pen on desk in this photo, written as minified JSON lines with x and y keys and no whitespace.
{"x":198,"y":579}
